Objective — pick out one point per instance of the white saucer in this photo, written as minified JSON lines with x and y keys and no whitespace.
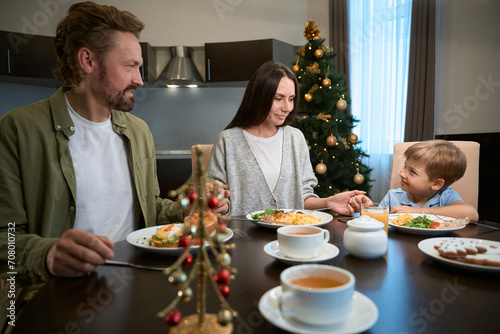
{"x":363,"y":316}
{"x":329,"y":252}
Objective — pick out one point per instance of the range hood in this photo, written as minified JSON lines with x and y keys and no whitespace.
{"x":180,"y":70}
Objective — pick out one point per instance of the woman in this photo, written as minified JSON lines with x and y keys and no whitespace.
{"x":264,"y":161}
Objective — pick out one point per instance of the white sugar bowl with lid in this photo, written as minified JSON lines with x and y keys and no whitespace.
{"x":365,"y":238}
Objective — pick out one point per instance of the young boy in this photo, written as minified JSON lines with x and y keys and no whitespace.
{"x":429,"y":169}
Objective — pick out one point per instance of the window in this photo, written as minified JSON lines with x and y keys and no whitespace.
{"x":379,"y":44}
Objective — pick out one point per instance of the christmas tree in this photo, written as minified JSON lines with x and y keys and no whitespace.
{"x":191,"y":197}
{"x":323,"y":118}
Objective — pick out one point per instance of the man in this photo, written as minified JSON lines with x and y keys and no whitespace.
{"x":77,"y":171}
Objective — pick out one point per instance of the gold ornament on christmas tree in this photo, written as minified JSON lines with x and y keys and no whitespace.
{"x":198,"y":197}
{"x":318,"y":53}
{"x":331,"y":140}
{"x":311,"y":31}
{"x":358,"y":178}
{"x":341,"y":104}
{"x":326,"y":82}
{"x":353,"y":138}
{"x":309,"y":95}
{"x":296,"y":67}
{"x":321,"y":168}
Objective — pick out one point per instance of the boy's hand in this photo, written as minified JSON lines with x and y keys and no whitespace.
{"x":405,"y":209}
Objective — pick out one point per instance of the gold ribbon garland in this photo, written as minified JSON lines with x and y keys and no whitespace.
{"x":314,"y":68}
{"x":323,"y":117}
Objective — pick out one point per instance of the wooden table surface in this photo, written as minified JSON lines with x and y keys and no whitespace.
{"x":413,"y":292}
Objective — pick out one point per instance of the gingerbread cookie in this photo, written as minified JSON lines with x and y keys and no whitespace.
{"x":468,"y":251}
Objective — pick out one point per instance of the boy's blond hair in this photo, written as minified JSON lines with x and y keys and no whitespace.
{"x":442,"y":160}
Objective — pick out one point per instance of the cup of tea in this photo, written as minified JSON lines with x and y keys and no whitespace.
{"x":302,"y":242}
{"x":316,"y":294}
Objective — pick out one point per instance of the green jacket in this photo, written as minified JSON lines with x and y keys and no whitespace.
{"x":38,"y":183}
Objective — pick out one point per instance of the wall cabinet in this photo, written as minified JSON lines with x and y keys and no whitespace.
{"x":237,"y":61}
{"x":33,"y":56}
{"x":26,"y":55}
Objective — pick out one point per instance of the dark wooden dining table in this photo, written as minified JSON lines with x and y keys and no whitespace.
{"x":414,"y":293}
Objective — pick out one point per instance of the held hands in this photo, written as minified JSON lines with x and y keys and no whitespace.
{"x":215,"y":188}
{"x":348,"y":202}
{"x":78,"y":252}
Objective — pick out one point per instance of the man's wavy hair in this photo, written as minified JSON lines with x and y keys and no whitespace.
{"x":93,"y":26}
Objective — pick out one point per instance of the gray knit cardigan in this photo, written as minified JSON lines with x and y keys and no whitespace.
{"x":233,"y":163}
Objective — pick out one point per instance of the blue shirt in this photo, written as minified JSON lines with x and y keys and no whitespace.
{"x":396,"y":197}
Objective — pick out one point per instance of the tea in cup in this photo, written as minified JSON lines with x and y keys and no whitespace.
{"x":316,"y":294}
{"x":302,"y":242}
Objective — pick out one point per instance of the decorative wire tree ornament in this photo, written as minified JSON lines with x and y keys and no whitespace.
{"x":191,"y":197}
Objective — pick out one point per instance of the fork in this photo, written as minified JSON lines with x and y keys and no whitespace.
{"x":240,"y":232}
{"x":262,"y":221}
{"x":437,"y":216}
{"x":128,"y":264}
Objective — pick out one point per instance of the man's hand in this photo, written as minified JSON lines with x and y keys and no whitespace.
{"x":78,"y":252}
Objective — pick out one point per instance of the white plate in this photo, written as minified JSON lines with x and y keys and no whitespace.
{"x":329,"y":252}
{"x":423,"y":231}
{"x":136,"y":239}
{"x":427,"y":247}
{"x":325,"y":218}
{"x":363,"y":316}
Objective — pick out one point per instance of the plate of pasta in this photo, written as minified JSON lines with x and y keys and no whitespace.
{"x":276,"y":218}
{"x":426,"y":224}
{"x":164,"y":239}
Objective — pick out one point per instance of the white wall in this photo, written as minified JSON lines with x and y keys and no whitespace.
{"x":174,"y":22}
{"x":188,"y":22}
{"x":468,"y":67}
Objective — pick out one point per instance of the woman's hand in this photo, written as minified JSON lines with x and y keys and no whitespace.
{"x":216,"y":189}
{"x":348,"y":202}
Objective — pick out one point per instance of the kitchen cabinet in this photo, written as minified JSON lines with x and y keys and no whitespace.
{"x":33,"y":56}
{"x":237,"y":61}
{"x":148,"y":68}
{"x":26,"y":55}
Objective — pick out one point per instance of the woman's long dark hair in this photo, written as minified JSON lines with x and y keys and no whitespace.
{"x":260,"y":93}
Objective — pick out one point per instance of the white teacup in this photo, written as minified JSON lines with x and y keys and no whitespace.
{"x":302,"y":242}
{"x":317,"y":294}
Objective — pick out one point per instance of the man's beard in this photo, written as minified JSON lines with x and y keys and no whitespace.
{"x":114,"y":98}
{"x":118,"y":100}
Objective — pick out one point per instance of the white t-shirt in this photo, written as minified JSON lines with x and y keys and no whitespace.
{"x":104,"y":191}
{"x":268,"y":152}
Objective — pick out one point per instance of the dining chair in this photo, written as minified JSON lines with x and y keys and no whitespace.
{"x":467,"y":187}
{"x":207,"y":151}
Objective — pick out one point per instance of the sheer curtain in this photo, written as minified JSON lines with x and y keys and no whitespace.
{"x":379,"y":39}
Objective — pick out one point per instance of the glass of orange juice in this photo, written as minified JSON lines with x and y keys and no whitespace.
{"x":380,"y":213}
